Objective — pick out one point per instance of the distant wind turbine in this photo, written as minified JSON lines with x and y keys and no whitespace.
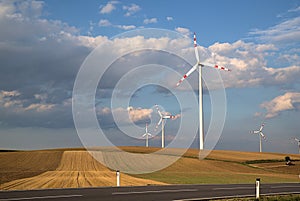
{"x":162,"y":122}
{"x":298,"y":141}
{"x":147,"y":135}
{"x":199,"y":66}
{"x":261,"y":135}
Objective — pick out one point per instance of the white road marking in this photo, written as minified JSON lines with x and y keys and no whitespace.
{"x":159,"y":191}
{"x":41,"y":197}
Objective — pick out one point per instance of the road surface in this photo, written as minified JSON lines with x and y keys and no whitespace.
{"x":149,"y":193}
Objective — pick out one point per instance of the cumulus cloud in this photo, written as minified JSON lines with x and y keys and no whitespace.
{"x":109,"y":7}
{"x":132,"y":9}
{"x":183,"y":31}
{"x":285,"y":102}
{"x":150,"y":20}
{"x":39,"y":62}
{"x":37,"y":86}
{"x":22,"y":112}
{"x":138,"y":114}
{"x":31,"y":9}
{"x":111,"y":116}
{"x":108,"y":116}
{"x":250,"y":67}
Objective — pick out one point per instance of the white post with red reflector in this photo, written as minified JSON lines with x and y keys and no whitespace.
{"x":118,"y":177}
{"x":257,"y":188}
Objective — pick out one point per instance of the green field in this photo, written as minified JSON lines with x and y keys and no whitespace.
{"x":228,"y":167}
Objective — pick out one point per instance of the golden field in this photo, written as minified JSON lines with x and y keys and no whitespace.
{"x":72,"y":168}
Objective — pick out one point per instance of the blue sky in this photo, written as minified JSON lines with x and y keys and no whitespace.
{"x":205,"y":17}
{"x":44,"y":43}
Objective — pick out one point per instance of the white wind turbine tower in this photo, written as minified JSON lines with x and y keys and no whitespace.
{"x":147,"y":135}
{"x":261,"y":135}
{"x":298,"y":144}
{"x":162,"y":122}
{"x":199,"y":66}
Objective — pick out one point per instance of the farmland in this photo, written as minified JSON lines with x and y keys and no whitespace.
{"x":72,"y":168}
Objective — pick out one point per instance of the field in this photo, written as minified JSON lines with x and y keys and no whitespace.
{"x":73,"y":169}
{"x":76,"y":168}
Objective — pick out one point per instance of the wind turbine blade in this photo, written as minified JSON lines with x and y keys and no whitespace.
{"x":187,"y":74}
{"x":297,"y":140}
{"x":254,"y":132}
{"x":262,"y":126}
{"x":160,"y":114}
{"x":168,"y":117}
{"x":215,"y":66}
{"x":195,"y":48}
{"x":159,"y":122}
{"x":263,"y":135}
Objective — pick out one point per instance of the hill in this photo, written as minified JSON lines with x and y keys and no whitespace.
{"x":76,"y":168}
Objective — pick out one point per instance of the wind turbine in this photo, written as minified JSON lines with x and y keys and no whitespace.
{"x":261,"y":135}
{"x":199,"y":66}
{"x":298,"y":143}
{"x":147,"y":135}
{"x":163,"y":117}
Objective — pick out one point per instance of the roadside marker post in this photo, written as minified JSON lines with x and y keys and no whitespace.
{"x":118,"y":177}
{"x":257,"y":188}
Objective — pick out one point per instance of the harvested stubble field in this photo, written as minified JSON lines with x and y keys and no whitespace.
{"x":76,"y":168}
{"x":73,"y":169}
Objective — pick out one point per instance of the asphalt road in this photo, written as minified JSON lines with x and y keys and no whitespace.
{"x":150,"y":193}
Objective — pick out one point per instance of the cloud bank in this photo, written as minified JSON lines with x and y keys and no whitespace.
{"x":40,"y":58}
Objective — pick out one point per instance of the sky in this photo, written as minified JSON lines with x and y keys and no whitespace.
{"x":45,"y":44}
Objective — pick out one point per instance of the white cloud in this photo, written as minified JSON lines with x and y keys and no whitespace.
{"x":183,"y":31}
{"x":138,"y":114}
{"x":128,"y":115}
{"x":132,"y":9}
{"x":39,"y":107}
{"x":6,"y":8}
{"x":294,"y":9}
{"x":124,"y":115}
{"x":109,"y":7}
{"x":107,"y":23}
{"x":150,"y":20}
{"x":31,"y":8}
{"x":285,"y":32}
{"x":250,"y":67}
{"x":289,"y":58}
{"x":37,"y":41}
{"x":90,"y":42}
{"x":11,"y":101}
{"x":287,"y":101}
{"x":126,"y":27}
{"x":9,"y":93}
{"x":8,"y":100}
{"x":104,"y":23}
{"x":169,"y":18}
